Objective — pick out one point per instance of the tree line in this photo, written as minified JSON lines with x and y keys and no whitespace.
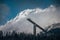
{"x":24,"y":36}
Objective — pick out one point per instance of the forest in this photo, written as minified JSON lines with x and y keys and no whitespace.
{"x":53,"y":34}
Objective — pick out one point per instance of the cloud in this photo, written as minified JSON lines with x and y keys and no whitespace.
{"x":4,"y":10}
{"x":42,"y":17}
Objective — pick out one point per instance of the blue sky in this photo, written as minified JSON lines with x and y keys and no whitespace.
{"x":16,"y":6}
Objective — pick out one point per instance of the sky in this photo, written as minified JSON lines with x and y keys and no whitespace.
{"x":15,"y":6}
{"x":10,"y":11}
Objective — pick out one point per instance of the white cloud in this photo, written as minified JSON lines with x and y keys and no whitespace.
{"x":42,"y":17}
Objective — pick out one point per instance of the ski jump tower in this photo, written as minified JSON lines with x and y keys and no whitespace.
{"x":35,"y":25}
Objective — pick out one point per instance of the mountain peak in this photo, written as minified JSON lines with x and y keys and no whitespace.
{"x":43,"y":17}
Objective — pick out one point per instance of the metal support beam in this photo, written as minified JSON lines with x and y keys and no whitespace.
{"x":36,"y":25}
{"x":34,"y":30}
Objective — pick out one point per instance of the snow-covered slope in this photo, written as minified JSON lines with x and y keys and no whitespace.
{"x":42,"y":17}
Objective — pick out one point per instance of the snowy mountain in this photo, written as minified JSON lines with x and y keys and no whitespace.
{"x":54,"y":26}
{"x":43,"y":17}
